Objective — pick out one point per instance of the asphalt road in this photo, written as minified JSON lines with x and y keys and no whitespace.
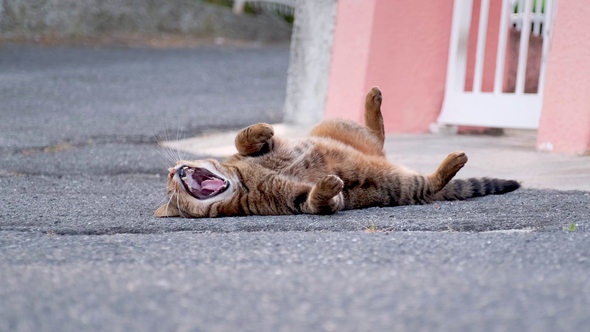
{"x":80,"y":177}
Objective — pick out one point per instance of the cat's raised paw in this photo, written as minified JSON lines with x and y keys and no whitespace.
{"x":374,"y":98}
{"x":254,"y":139}
{"x":260,"y":132}
{"x":453,"y":163}
{"x":458,"y":158}
{"x":447,"y":169}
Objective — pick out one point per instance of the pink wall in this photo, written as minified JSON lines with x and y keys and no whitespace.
{"x":406,"y":58}
{"x":402,"y":47}
{"x":565,"y":120}
{"x":350,"y":53}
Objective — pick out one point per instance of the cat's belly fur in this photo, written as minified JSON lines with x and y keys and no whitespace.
{"x":305,"y":160}
{"x":311,"y":159}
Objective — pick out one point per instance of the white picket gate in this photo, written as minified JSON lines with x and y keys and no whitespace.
{"x":495,"y":109}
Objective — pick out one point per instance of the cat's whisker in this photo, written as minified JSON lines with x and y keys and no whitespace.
{"x":168,"y":204}
{"x":165,"y":151}
{"x":166,"y":160}
{"x":180,"y":153}
{"x":161,"y":149}
{"x":177,"y":140}
{"x":164,"y":201}
{"x":168,"y":139}
{"x":170,"y":154}
{"x":178,"y":206}
{"x":178,"y":150}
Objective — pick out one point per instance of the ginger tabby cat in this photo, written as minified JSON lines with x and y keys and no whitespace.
{"x":340,"y":166}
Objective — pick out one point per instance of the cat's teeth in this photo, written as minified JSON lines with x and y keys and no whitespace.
{"x":184,"y":178}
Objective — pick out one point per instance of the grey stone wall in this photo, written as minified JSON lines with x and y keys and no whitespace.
{"x":311,"y":55}
{"x":93,"y":17}
{"x":1,"y":11}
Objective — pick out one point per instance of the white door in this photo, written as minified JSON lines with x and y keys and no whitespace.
{"x":497,"y":108}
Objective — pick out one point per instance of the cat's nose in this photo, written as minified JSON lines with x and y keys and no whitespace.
{"x":181,"y":172}
{"x":172,"y":170}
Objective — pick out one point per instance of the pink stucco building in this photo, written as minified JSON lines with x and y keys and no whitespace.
{"x":402,"y":46}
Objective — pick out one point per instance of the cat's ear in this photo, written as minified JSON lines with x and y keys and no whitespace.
{"x":167,"y":210}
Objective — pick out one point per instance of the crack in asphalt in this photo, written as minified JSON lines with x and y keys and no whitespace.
{"x":97,"y":140}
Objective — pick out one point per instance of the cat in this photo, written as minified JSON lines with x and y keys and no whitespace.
{"x":340,"y":166}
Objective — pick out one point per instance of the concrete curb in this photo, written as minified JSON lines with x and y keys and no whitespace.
{"x":221,"y":145}
{"x":511,"y":156}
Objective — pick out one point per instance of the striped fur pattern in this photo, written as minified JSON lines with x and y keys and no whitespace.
{"x":340,"y":166}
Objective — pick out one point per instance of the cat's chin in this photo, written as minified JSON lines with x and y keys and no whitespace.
{"x":200,"y":183}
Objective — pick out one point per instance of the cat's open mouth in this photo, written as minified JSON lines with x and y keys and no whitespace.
{"x":201,"y":183}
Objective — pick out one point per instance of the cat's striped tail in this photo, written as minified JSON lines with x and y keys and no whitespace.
{"x":460,"y":189}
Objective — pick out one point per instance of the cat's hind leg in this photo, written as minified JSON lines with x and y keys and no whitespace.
{"x":256,"y":139}
{"x":447,"y":170}
{"x":373,"y":116}
{"x":367,"y":139}
{"x":350,"y":133}
{"x":419,"y":189}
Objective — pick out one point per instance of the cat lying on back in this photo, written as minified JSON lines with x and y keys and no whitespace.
{"x":340,"y":166}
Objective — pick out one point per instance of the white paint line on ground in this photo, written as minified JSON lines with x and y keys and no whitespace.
{"x":509,"y":231}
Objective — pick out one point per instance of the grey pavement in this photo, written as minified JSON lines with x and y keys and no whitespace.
{"x":81,"y":174}
{"x":78,"y":94}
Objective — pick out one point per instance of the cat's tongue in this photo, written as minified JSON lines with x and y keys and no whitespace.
{"x":212,"y":184}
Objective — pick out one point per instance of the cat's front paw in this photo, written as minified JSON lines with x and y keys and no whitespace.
{"x":328,"y":187}
{"x":326,"y":196}
{"x":260,"y":133}
{"x":254,"y":139}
